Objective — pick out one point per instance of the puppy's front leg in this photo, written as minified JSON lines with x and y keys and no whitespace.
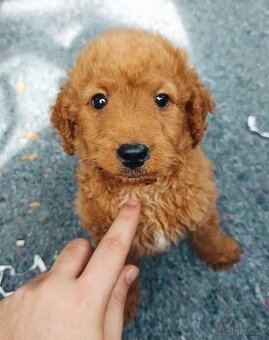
{"x":133,"y":296}
{"x":132,"y":301}
{"x":213,"y":247}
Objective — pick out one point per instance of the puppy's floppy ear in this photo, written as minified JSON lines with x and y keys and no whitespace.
{"x":63,"y":118}
{"x":199,"y":104}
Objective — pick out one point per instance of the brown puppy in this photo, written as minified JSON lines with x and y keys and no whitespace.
{"x":134,"y":111}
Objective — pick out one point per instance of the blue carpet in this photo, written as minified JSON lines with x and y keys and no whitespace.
{"x":181,"y":297}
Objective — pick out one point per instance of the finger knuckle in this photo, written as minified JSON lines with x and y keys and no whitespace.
{"x":45,"y":290}
{"x":21,"y":291}
{"x":118,"y":300}
{"x":114,"y":244}
{"x":72,"y":249}
{"x":80,"y":243}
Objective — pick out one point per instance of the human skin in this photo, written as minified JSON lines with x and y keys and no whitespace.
{"x":83,"y":295}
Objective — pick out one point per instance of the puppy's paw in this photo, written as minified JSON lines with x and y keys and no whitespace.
{"x":132,"y":303}
{"x":130,"y":312}
{"x":225,"y":256}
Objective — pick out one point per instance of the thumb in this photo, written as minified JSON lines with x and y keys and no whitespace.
{"x":115,"y":310}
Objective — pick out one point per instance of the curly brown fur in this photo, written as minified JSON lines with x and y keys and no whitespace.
{"x":175,"y":186}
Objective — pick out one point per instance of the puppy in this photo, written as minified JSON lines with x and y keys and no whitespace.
{"x":133,"y":111}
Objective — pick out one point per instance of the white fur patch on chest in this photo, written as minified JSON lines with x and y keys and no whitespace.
{"x":161,"y":242}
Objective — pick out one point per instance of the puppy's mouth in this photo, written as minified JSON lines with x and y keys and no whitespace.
{"x":132,"y":173}
{"x":136,"y":175}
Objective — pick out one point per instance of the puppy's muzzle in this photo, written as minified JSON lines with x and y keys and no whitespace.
{"x":133,"y":155}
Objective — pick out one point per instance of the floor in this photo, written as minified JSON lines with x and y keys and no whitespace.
{"x":182,"y":298}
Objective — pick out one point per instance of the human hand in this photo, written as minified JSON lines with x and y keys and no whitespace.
{"x":83,"y":295}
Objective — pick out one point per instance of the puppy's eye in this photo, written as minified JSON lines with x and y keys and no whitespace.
{"x":99,"y":101}
{"x":162,"y":100}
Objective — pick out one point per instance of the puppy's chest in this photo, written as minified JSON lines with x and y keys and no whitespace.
{"x":160,"y":221}
{"x":147,"y":198}
{"x":150,"y":197}
{"x":159,"y":225}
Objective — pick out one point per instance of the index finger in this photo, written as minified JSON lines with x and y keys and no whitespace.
{"x":107,"y":261}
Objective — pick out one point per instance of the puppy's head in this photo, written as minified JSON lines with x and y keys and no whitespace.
{"x":132,"y":106}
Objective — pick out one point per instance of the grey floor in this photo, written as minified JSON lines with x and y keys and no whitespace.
{"x":181,"y":297}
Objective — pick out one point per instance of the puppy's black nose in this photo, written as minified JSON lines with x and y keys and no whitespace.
{"x":133,"y":155}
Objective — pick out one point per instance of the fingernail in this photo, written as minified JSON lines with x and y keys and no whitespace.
{"x":132,"y":202}
{"x":131,"y":275}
